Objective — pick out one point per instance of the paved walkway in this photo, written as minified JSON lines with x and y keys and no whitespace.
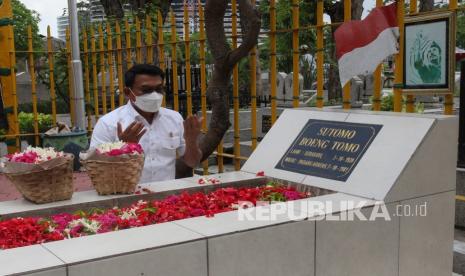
{"x":9,"y":192}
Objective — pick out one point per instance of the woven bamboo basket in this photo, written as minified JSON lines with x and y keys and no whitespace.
{"x":48,"y":185}
{"x":119,"y":177}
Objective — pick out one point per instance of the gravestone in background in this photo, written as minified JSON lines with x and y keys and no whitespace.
{"x":289,"y":88}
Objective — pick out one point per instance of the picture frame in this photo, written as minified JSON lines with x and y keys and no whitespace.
{"x":429,"y":51}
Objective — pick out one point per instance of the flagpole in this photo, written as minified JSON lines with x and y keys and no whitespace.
{"x":76,"y":64}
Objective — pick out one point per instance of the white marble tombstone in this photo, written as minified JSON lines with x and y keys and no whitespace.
{"x":289,"y":86}
{"x":266,"y":87}
{"x":280,"y":79}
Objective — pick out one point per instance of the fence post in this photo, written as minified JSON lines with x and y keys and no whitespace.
{"x":319,"y":55}
{"x":377,"y":85}
{"x":203,"y":78}
{"x":70,"y":78}
{"x":346,"y":97}
{"x":119,"y":60}
{"x":87,"y":79}
{"x":174,"y":61}
{"x":111,"y":86}
{"x":295,"y":53}
{"x":138,"y":41}
{"x":449,"y":98}
{"x":94,"y":72}
{"x":149,"y":40}
{"x":33,"y":83}
{"x":410,"y":105}
{"x":103,"y":80}
{"x":51,"y":75}
{"x":399,"y":59}
{"x":8,"y":75}
{"x":127,"y":31}
{"x":188,"y":60}
{"x":237,"y":136}
{"x":161,"y":47}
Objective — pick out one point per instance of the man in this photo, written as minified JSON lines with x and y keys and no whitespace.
{"x":161,"y":132}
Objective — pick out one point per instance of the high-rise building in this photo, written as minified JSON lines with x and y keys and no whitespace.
{"x":97,"y":13}
{"x":63,"y":22}
{"x":62,"y":25}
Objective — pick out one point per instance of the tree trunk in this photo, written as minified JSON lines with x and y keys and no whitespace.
{"x":426,"y":5}
{"x":113,"y":8}
{"x":224,"y":61}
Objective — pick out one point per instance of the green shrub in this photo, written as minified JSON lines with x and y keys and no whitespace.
{"x":26,"y":122}
{"x":387,"y":103}
{"x":3,"y":132}
{"x":45,"y":107}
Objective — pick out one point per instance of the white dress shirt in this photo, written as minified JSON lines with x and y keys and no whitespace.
{"x":162,"y":140}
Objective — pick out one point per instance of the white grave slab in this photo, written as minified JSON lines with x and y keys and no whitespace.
{"x":402,"y":162}
{"x":378,"y":174}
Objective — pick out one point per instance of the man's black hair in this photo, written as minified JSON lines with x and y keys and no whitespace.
{"x":141,"y":69}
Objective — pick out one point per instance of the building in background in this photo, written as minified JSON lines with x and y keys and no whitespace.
{"x":97,"y":13}
{"x":84,"y":18}
{"x":62,"y":25}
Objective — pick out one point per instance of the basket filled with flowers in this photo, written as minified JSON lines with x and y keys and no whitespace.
{"x":41,"y":175}
{"x":114,"y":168}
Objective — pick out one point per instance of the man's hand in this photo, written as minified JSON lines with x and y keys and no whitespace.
{"x":193,"y":154}
{"x":192,"y":127}
{"x":132,"y":133}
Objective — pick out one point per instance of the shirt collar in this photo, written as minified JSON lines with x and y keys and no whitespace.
{"x":134,"y":114}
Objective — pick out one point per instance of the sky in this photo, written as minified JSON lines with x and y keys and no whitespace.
{"x":49,"y":10}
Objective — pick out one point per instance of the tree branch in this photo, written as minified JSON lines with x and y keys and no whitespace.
{"x":214,"y":16}
{"x":250,"y":22}
{"x":113,"y":8}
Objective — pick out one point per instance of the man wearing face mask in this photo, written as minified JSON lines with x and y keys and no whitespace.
{"x":162,"y":133}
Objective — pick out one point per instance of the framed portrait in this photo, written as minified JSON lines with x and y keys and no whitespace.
{"x":429,"y":49}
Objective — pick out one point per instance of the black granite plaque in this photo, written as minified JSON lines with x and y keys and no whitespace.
{"x":328,"y":149}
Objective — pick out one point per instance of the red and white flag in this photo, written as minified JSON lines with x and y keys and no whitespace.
{"x":363,"y":44}
{"x":459,"y":54}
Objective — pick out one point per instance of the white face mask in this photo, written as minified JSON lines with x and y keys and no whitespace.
{"x":149,"y":102}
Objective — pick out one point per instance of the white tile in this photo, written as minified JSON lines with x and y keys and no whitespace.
{"x":426,"y":242}
{"x":192,"y":182}
{"x":51,"y":272}
{"x":432,"y":169}
{"x":230,"y":222}
{"x":384,"y":160}
{"x":232,"y":176}
{"x":277,"y":141}
{"x":22,"y":205}
{"x":120,"y":242}
{"x":189,"y":259}
{"x":169,"y":185}
{"x":332,"y":203}
{"x":27,"y":259}
{"x":358,"y":248}
{"x":286,"y":249}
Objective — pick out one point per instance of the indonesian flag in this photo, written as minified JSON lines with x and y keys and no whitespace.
{"x":459,"y":54}
{"x":362,"y":45}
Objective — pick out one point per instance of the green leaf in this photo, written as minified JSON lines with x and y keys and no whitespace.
{"x":151,"y":210}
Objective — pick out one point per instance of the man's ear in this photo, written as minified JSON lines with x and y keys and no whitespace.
{"x":128,"y":94}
